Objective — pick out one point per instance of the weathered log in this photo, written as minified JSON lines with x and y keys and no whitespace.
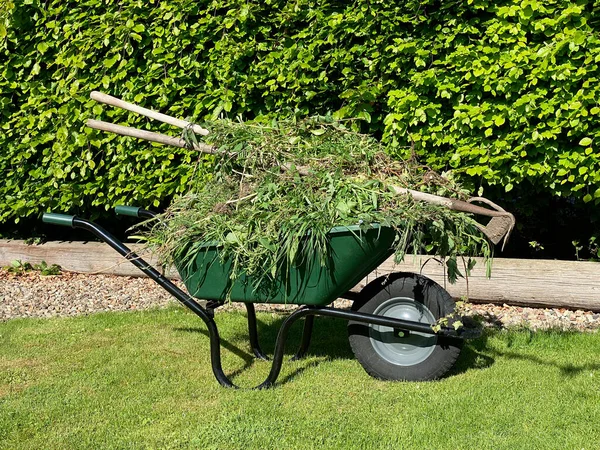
{"x":520,"y":282}
{"x":84,"y":257}
{"x":542,"y":283}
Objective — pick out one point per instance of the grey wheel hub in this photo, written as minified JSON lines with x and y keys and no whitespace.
{"x":402,"y":347}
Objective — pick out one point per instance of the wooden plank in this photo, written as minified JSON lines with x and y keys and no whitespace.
{"x":545,"y":283}
{"x":521,"y":282}
{"x":84,"y":257}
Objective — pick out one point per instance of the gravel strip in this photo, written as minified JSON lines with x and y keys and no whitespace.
{"x":70,"y":294}
{"x":506,"y":316}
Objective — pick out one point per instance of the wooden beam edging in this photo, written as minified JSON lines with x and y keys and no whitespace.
{"x":521,"y":282}
{"x":83,"y":257}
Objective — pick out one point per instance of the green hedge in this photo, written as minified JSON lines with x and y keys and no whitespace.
{"x":506,"y":94}
{"x":503,"y":92}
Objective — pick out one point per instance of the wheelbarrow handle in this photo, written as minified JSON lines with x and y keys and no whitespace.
{"x":123,"y":210}
{"x":134,"y":211}
{"x":58,"y":219}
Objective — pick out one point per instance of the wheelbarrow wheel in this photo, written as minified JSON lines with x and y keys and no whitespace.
{"x":392,"y":354}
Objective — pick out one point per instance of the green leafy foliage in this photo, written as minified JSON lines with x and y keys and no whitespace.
{"x":18,"y":267}
{"x":501,"y":92}
{"x":507,"y":93}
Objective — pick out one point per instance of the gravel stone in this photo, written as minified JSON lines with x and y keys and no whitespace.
{"x":69,"y":294}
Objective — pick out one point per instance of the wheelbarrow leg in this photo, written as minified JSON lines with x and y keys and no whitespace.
{"x":280,"y":346}
{"x":215,"y":345}
{"x":306,"y":335}
{"x":253,"y":333}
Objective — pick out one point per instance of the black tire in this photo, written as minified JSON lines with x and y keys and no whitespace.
{"x":382,"y":351}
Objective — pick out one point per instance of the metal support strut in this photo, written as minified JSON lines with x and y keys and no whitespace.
{"x":253,"y":333}
{"x":306,"y":335}
{"x":308,"y":312}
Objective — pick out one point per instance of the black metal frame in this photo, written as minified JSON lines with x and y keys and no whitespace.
{"x":308,"y":312}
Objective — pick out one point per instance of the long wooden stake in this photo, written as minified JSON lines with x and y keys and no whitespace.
{"x":148,"y":136}
{"x":113,"y":101}
{"x":453,"y":204}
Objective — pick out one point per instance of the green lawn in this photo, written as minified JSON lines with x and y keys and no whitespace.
{"x":143,"y":380}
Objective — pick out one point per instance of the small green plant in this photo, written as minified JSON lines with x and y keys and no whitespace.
{"x":44,"y":269}
{"x":35,"y":240}
{"x":538,"y":247}
{"x":19,"y":267}
{"x":593,"y":249}
{"x":578,"y":248}
{"x":454,"y":319}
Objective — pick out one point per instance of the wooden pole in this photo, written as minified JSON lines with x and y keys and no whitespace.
{"x":148,"y":136}
{"x":113,"y":101}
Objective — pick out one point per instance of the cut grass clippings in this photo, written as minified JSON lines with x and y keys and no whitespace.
{"x":144,"y":380}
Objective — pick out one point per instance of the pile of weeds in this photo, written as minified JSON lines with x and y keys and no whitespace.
{"x":277,"y":189}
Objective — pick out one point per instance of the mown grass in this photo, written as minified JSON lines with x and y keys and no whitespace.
{"x":143,"y":380}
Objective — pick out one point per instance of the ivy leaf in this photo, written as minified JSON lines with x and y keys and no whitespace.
{"x":457,"y":324}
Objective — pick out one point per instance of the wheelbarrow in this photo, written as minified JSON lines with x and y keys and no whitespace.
{"x":393,"y":324}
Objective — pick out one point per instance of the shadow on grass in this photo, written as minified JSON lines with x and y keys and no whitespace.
{"x":568,"y":370}
{"x":329,"y":342}
{"x":473,"y":356}
{"x":477,"y":354}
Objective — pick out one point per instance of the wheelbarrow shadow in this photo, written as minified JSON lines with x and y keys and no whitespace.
{"x":473,"y":356}
{"x":329,"y":342}
{"x":477,"y":354}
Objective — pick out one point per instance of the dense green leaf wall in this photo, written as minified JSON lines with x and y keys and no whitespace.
{"x":502,"y":92}
{"x":506,"y":94}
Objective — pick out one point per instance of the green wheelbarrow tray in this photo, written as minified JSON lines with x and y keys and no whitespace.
{"x":353,"y":254}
